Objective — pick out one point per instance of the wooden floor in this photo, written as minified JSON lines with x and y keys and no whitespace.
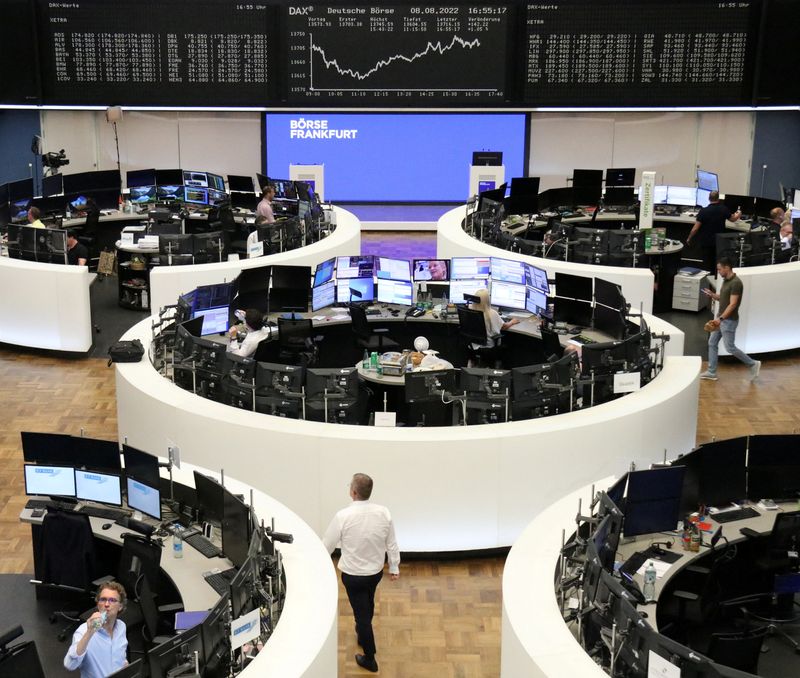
{"x":441,"y":619}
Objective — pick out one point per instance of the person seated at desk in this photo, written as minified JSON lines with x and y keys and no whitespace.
{"x":77,"y":254}
{"x":777,"y":215}
{"x":494,"y":323}
{"x":788,"y":242}
{"x":252,"y":239}
{"x":264,"y":208}
{"x":254,"y":326}
{"x":33,"y":218}
{"x":99,"y":645}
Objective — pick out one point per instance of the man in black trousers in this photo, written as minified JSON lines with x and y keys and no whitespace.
{"x":366,"y":534}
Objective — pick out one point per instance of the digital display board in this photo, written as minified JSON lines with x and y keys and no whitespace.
{"x":453,"y":54}
{"x":677,"y":52}
{"x":145,"y":52}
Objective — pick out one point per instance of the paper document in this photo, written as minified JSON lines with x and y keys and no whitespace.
{"x":658,"y":667}
{"x":660,"y":565}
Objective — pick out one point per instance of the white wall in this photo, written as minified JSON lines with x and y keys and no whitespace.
{"x":671,"y":143}
{"x":218,"y":141}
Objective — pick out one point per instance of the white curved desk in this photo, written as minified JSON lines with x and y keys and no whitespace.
{"x":449,"y":489}
{"x":45,"y":305}
{"x":167,"y":283}
{"x":453,"y":241}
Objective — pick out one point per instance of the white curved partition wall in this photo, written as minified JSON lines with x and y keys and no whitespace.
{"x":453,"y":241}
{"x":167,"y":283}
{"x":45,"y":305}
{"x":535,"y":641}
{"x":304,"y":643}
{"x":449,"y":488}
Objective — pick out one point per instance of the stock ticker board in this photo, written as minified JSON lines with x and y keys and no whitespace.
{"x":390,"y":54}
{"x":639,"y":52}
{"x":171,"y":52}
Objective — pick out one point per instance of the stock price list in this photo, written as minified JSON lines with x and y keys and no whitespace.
{"x":397,"y":53}
{"x":156,"y":53}
{"x":639,"y":53}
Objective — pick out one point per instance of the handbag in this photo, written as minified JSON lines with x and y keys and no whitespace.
{"x":107,"y":265}
{"x":126,"y":352}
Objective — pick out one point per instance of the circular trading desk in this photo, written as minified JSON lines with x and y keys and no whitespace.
{"x":167,"y":283}
{"x":449,"y":488}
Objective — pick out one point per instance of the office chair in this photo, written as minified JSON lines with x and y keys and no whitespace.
{"x":265,"y":352}
{"x":366,"y":337}
{"x":88,"y":237}
{"x":551,"y":344}
{"x":472,"y":332}
{"x":296,"y":342}
{"x":738,"y":650}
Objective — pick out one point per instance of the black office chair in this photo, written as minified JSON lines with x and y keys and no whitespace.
{"x":738,"y":650}
{"x":474,"y":339}
{"x":367,"y":337}
{"x":296,"y":342}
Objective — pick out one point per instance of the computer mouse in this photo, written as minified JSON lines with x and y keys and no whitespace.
{"x":107,"y":525}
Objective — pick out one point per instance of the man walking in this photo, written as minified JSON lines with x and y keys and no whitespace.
{"x":729,"y":298}
{"x":366,"y":535}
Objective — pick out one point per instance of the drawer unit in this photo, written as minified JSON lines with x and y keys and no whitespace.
{"x":687,"y":292}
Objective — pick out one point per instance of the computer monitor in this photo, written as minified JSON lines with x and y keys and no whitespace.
{"x":243,"y":589}
{"x":395,"y":292}
{"x":573,"y":286}
{"x":209,"y":497}
{"x":77,"y":201}
{"x":620,"y":176}
{"x":178,"y":651}
{"x":480,"y":382}
{"x":96,"y":455}
{"x":716,"y":474}
{"x":47,"y":448}
{"x":587,"y":195}
{"x":144,"y":498}
{"x":682,"y":195}
{"x":616,"y":493}
{"x":53,"y":481}
{"x":323,"y":296}
{"x":143,"y":195}
{"x":491,"y":158}
{"x":619,"y":195}
{"x":21,"y":659}
{"x":603,"y":358}
{"x":587,"y":177}
{"x":535,"y":301}
{"x":20,"y":190}
{"x":508,"y":295}
{"x":572,"y":312}
{"x":196,"y":179}
{"x":610,"y":321}
{"x":744,"y":203}
{"x":192,"y":195}
{"x":216,"y":639}
{"x":653,"y":500}
{"x":324,"y":271}
{"x":175,"y":244}
{"x":52,"y":185}
{"x":217,"y":198}
{"x":337,"y":381}
{"x":235,"y":528}
{"x":355,"y":289}
{"x":703,"y":197}
{"x":537,"y":278}
{"x":169,"y":193}
{"x":143,"y":177}
{"x":707,"y":181}
{"x":212,"y":296}
{"x":82,"y":182}
{"x":291,"y":286}
{"x":469,"y":268}
{"x":100,"y":487}
{"x":659,"y":194}
{"x":140,"y":465}
{"x":285,"y":189}
{"x":426,"y":386}
{"x":524,"y":196}
{"x":254,"y":281}
{"x":608,"y":294}
{"x":393,"y":269}
{"x":765,"y":205}
{"x":773,"y":467}
{"x":241,"y":183}
{"x":355,"y":267}
{"x":277,"y":379}
{"x":458,"y":288}
{"x":507,"y":270}
{"x":215,"y":320}
{"x":215,"y":182}
{"x":431,"y":270}
{"x":210,"y":246}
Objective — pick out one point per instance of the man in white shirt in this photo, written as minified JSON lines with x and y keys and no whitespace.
{"x":264,"y":208}
{"x":256,"y":332}
{"x":366,"y":535}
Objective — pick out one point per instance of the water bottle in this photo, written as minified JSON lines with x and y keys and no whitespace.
{"x":373,"y":361}
{"x":177,"y":545}
{"x":365,"y":361}
{"x":649,"y":590}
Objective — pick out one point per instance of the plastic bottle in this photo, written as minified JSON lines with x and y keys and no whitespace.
{"x":373,"y":361}
{"x":649,"y":590}
{"x":365,"y":361}
{"x":696,"y":539}
{"x":177,"y":545}
{"x":379,"y":369}
{"x":686,"y":535}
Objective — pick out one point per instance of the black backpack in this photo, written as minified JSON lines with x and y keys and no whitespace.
{"x":126,"y":352}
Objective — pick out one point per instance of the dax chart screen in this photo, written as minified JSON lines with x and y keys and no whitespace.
{"x":369,"y":54}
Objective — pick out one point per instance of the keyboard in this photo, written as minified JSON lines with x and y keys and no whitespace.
{"x":49,"y":504}
{"x":199,"y":542}
{"x":102,"y":512}
{"x":220,"y":581}
{"x":632,"y":565}
{"x":373,"y":311}
{"x":737,"y":514}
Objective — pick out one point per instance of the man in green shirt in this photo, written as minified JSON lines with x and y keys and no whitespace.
{"x":729,"y":298}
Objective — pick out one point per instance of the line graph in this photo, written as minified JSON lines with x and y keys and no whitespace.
{"x":400,"y":53}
